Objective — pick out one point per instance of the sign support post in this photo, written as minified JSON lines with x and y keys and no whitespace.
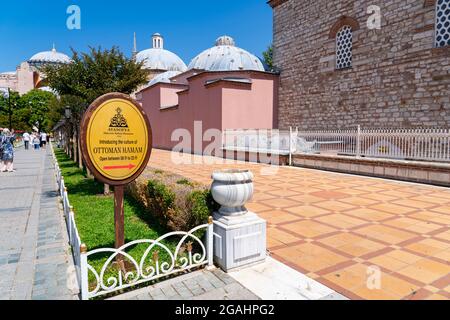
{"x":119,"y":216}
{"x":116,"y":143}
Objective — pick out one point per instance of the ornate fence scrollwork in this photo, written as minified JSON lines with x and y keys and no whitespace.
{"x":149,"y":266}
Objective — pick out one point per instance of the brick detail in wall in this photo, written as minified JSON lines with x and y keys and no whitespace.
{"x":276,"y":3}
{"x":343,"y":21}
{"x":398,"y":78}
{"x":429,"y":3}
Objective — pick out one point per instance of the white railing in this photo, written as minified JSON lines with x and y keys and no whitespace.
{"x":406,"y":144}
{"x":69,"y":215}
{"x":149,"y":266}
{"x":257,"y":140}
{"x":184,"y":257}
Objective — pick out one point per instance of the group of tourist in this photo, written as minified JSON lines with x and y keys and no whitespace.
{"x":7,"y":138}
{"x":36,"y":140}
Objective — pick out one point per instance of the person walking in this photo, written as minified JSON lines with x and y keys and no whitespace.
{"x":7,"y":151}
{"x":36,"y":141}
{"x":26,"y":140}
{"x":31,"y":140}
{"x":43,"y":140}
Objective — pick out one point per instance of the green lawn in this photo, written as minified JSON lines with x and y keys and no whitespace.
{"x":94,"y":215}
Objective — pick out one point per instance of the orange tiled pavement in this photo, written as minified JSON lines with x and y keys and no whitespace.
{"x":335,"y":228}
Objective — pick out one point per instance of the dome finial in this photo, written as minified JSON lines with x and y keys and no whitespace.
{"x":53,"y":49}
{"x":225,"y":41}
{"x":157,"y":41}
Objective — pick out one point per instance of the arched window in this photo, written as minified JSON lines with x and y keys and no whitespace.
{"x":442,"y":23}
{"x":344,"y":44}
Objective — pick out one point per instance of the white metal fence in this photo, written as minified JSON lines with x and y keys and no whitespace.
{"x":407,"y":144}
{"x":257,"y":140}
{"x":69,"y":215}
{"x":149,"y":268}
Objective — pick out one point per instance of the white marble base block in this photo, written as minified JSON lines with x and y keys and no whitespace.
{"x":239,"y":240}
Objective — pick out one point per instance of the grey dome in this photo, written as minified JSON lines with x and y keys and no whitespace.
{"x":164,"y":77}
{"x":52,"y":56}
{"x":225,"y":56}
{"x":157,"y":58}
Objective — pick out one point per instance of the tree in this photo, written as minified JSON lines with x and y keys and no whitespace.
{"x":89,"y":76}
{"x":268,"y":58}
{"x":13,"y":102}
{"x":93,"y":74}
{"x":39,"y":104}
{"x":36,"y":108}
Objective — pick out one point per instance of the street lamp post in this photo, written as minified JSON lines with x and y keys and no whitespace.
{"x":7,"y":95}
{"x":10,"y":110}
{"x":68,"y":115}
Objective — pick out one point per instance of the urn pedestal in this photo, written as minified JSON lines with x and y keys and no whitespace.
{"x":239,"y":235}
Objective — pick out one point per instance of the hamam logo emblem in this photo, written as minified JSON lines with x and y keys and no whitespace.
{"x":118,"y":121}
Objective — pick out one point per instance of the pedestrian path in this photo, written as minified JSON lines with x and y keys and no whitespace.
{"x":35,"y":260}
{"x":199,"y":285}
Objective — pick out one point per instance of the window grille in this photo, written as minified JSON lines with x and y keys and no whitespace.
{"x":442,"y":23}
{"x":344,"y":44}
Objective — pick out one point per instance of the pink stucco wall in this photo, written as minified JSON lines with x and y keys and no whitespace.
{"x":219,"y":105}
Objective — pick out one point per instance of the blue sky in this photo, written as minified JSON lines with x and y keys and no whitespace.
{"x":30,"y":26}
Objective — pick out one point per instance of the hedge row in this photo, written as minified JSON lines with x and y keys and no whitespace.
{"x":177,"y":203}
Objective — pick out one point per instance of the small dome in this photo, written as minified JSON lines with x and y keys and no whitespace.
{"x":164,"y":77}
{"x":52,"y":56}
{"x":157,"y":58}
{"x":225,"y":56}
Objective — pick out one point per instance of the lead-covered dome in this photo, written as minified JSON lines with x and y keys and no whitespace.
{"x":225,"y":56}
{"x":157,"y":58}
{"x":49,"y":57}
{"x":163,"y":77}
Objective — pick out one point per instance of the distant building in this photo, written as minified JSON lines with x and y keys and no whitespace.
{"x":225,"y":87}
{"x":337,"y":71}
{"x":27,"y":75}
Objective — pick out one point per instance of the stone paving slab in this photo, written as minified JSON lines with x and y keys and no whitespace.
{"x":366,"y":238}
{"x":34,"y":252}
{"x":199,"y":285}
{"x":273,"y":280}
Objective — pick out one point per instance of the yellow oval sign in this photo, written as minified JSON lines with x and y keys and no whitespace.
{"x":117,"y":139}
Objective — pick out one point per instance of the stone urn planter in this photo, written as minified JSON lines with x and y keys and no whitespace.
{"x":239,"y":235}
{"x":232,"y":189}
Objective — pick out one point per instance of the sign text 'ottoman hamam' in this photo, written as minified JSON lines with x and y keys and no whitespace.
{"x":116,"y":142}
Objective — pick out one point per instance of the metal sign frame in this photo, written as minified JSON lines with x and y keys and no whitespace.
{"x":84,"y":128}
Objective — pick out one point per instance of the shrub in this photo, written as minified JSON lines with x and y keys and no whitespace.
{"x":202,"y":205}
{"x":176,"y":202}
{"x":185,"y":182}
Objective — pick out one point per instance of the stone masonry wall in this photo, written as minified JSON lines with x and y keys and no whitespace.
{"x":398,"y":78}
